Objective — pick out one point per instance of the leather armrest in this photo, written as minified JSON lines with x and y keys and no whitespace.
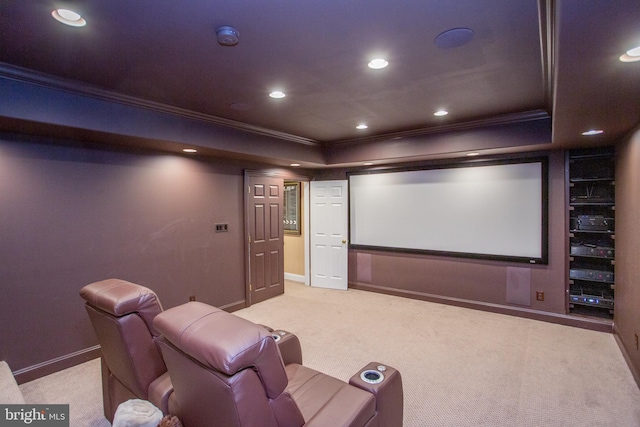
{"x":159,"y":392}
{"x":289,"y":346}
{"x":388,"y":393}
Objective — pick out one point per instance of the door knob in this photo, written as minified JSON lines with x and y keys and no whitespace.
{"x":344,"y":241}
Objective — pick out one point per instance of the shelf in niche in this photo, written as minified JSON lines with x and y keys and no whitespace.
{"x":593,"y":257}
{"x":608,"y":233}
{"x":591,"y":187}
{"x":604,"y":204}
{"x":577,"y":180}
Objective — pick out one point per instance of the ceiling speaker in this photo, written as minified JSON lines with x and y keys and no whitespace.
{"x":455,"y":37}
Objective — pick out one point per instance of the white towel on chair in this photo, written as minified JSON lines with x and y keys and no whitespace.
{"x":137,"y":413}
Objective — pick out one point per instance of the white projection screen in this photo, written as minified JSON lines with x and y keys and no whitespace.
{"x":480,"y":210}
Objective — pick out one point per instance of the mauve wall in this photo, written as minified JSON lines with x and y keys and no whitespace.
{"x":70,"y":216}
{"x":627,"y":270}
{"x":475,"y":280}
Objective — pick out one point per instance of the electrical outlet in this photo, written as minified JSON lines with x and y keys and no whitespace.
{"x":539,"y":296}
{"x":192,"y":298}
{"x":222,"y":227}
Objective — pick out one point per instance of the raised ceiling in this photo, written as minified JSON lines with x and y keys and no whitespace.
{"x":526,"y":59}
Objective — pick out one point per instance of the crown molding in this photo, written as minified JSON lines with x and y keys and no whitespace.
{"x":505,"y":119}
{"x":25,"y":75}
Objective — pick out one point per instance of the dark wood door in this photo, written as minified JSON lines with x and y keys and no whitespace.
{"x":265,"y":237}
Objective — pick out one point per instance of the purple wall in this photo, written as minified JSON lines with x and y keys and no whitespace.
{"x":627,"y":269}
{"x":70,"y":216}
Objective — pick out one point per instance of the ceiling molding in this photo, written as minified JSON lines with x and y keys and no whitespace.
{"x":12,"y":72}
{"x":524,"y":116}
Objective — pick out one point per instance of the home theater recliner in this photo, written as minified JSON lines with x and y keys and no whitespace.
{"x":227,"y":371}
{"x":122,"y":316}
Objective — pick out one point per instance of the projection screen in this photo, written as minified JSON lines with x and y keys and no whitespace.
{"x":483,"y":210}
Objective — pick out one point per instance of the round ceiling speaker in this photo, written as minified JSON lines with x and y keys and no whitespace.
{"x":227,"y":36}
{"x":455,"y":37}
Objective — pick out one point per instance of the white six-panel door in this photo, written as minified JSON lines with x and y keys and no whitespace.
{"x":329,"y":239}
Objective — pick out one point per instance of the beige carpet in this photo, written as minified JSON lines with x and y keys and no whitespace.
{"x":459,"y":367}
{"x":79,"y":386}
{"x":462,"y":367}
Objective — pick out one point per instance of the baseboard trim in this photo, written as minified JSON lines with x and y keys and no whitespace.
{"x":48,"y":367}
{"x":294,"y":277}
{"x":234,"y":306}
{"x":601,"y":325}
{"x":626,"y":355}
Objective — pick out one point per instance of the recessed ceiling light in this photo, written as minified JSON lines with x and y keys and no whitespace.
{"x":69,"y":17}
{"x":441,"y":113}
{"x":295,"y":165}
{"x":632,"y":55}
{"x":368,"y":164}
{"x":378,"y":63}
{"x":593,"y":132}
{"x":634,"y":52}
{"x":362,"y":126}
{"x":473,"y":154}
{"x":277,"y":94}
{"x":189,"y":150}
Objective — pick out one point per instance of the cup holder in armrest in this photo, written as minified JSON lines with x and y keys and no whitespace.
{"x":277,"y":335}
{"x":372,"y":377}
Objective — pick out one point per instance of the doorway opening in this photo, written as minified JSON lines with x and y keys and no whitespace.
{"x":296,"y":239}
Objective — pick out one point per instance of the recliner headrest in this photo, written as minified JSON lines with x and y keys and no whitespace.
{"x":224,"y":342}
{"x":119,"y":298}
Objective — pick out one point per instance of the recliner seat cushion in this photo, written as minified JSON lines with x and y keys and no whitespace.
{"x":327,"y":401}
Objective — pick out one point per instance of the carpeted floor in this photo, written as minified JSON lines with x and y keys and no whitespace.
{"x":460,"y":367}
{"x":79,"y":386}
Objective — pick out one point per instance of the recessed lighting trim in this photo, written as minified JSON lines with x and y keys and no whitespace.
{"x":277,"y":94}
{"x":592,"y":132}
{"x":378,"y":63}
{"x":362,"y":126}
{"x":628,"y":58}
{"x":189,"y":150}
{"x":632,"y":55}
{"x":69,"y":17}
{"x":441,"y":113}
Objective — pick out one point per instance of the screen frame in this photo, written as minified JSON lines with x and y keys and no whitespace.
{"x":544,"y":204}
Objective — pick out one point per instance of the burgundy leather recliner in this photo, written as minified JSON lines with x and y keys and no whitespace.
{"x":227,"y":371}
{"x":122,"y":316}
